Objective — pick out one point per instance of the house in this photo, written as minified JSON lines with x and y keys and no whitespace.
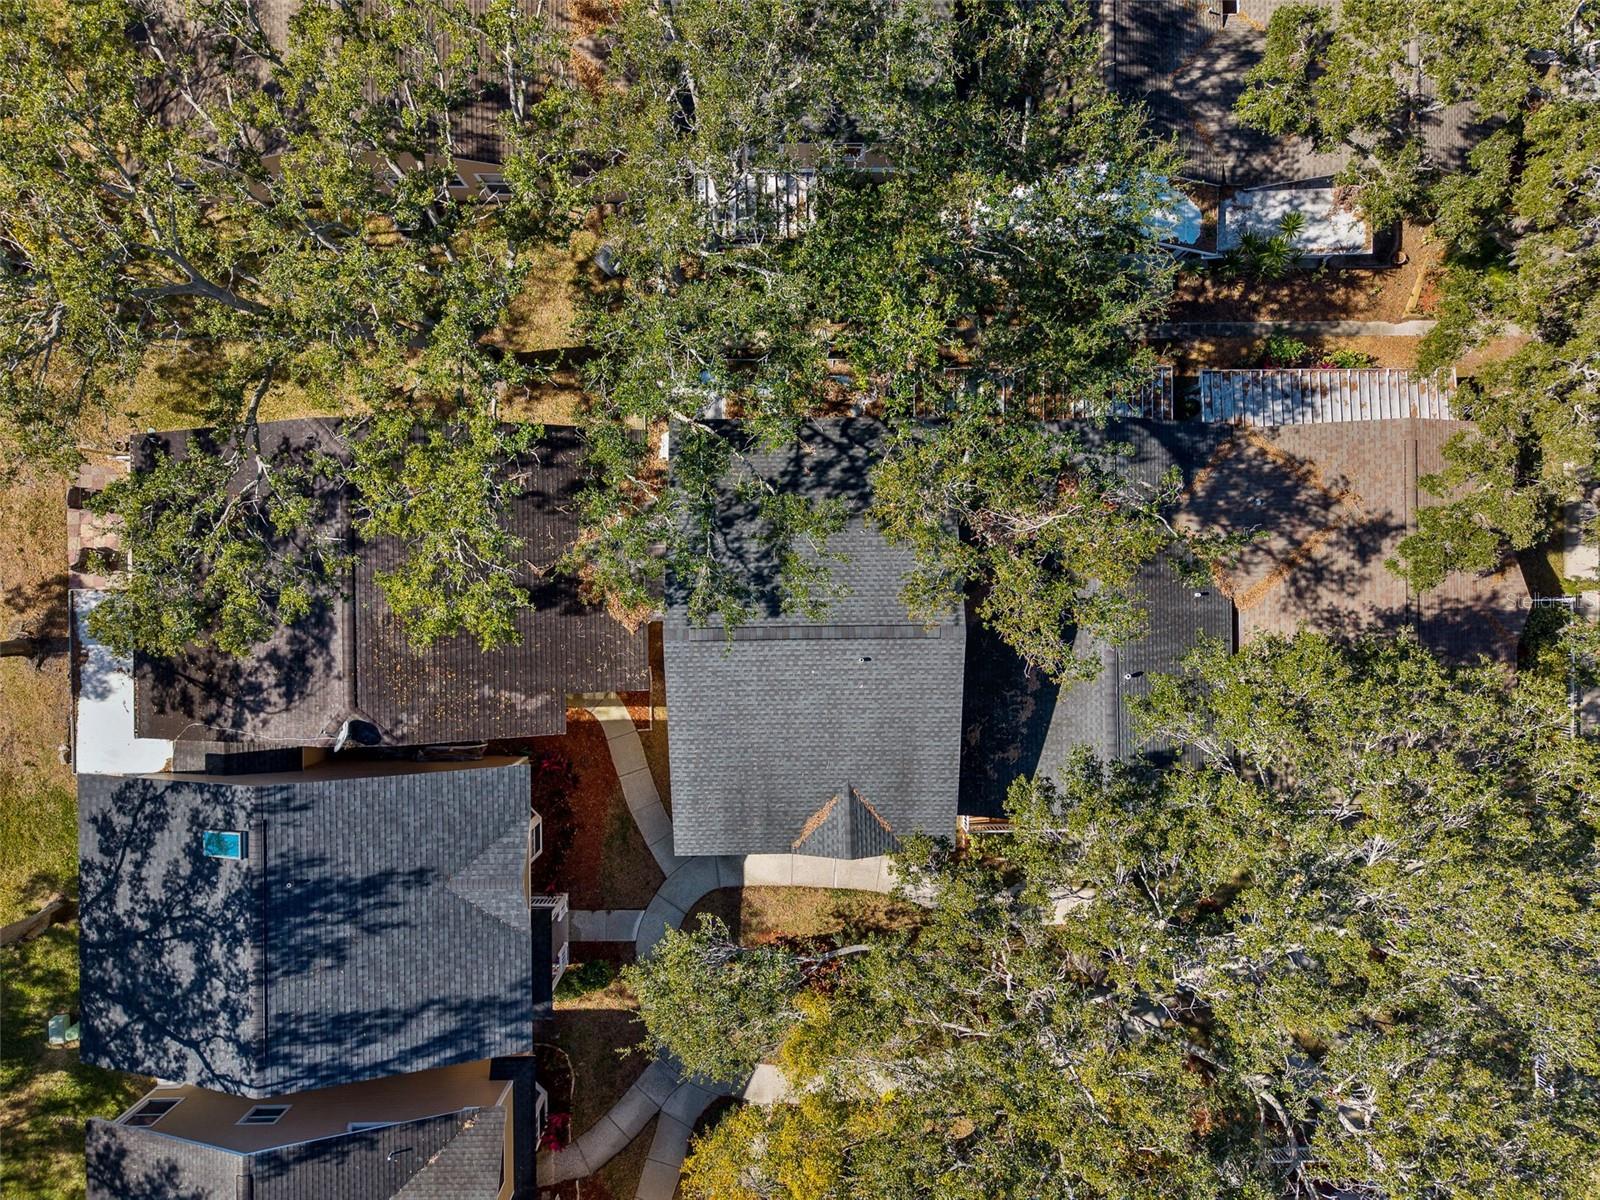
{"x":301,"y":957}
{"x":349,"y":665}
{"x":1323,"y":470}
{"x":831,"y":737}
{"x":475,"y":128}
{"x":266,"y":933}
{"x":466,"y":1132}
{"x":1187,"y":62}
{"x":1017,"y":723}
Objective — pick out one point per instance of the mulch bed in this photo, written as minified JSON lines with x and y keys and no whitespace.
{"x":593,"y":850}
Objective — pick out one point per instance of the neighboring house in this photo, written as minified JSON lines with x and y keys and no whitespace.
{"x":832,"y":737}
{"x":261,"y":934}
{"x":1187,"y":61}
{"x":1323,"y":467}
{"x":333,"y":973}
{"x":476,"y":128}
{"x":467,"y":1132}
{"x":1017,"y":723}
{"x":349,"y":661}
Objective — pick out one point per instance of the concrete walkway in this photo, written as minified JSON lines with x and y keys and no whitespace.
{"x":690,"y":878}
{"x":1245,"y":329}
{"x":662,"y":1088}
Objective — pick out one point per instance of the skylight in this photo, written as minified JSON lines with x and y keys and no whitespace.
{"x":151,"y":1111}
{"x":221,"y":843}
{"x":264,"y":1114}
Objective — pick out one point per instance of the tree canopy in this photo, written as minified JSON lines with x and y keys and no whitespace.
{"x":276,"y":206}
{"x":1520,"y":221}
{"x":940,"y":217}
{"x":1352,"y":944}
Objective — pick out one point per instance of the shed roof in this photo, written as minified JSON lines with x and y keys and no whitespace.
{"x":828,"y":737}
{"x":1017,"y":723}
{"x":1329,"y":502}
{"x":350,"y":657}
{"x":1306,"y":396}
{"x":375,"y":925}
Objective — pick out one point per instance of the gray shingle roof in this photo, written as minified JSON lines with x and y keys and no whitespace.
{"x":457,"y":1155}
{"x":350,"y":658}
{"x":360,"y":936}
{"x":1018,"y":723}
{"x":456,"y":691}
{"x":299,"y":686}
{"x":819,"y":737}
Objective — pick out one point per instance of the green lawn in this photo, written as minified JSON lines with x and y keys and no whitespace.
{"x":46,"y":1094}
{"x":38,"y":842}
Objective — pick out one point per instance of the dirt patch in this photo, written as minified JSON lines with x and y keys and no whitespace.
{"x":757,"y":915}
{"x":1192,"y":355}
{"x":1350,"y":295}
{"x":593,"y":849}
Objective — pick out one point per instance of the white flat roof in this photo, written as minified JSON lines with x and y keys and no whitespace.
{"x":1328,"y":229}
{"x":103,"y":741}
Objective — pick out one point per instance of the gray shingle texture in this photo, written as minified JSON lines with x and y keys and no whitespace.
{"x":342,"y":947}
{"x":456,"y":1155}
{"x":1018,"y":723}
{"x":826,"y":737}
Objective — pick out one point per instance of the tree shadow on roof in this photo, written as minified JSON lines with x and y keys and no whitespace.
{"x":255,"y":976}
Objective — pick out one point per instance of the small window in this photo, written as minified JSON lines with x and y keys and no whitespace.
{"x":456,"y":183}
{"x":222,"y":843}
{"x":151,"y":1111}
{"x":359,"y":1126}
{"x":264,"y":1114}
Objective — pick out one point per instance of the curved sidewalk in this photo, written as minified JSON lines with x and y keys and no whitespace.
{"x":661,"y":1089}
{"x":688,"y":879}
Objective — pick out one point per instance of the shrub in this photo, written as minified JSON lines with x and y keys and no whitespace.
{"x":1282,"y":350}
{"x":1347,"y":360}
{"x":582,"y":978}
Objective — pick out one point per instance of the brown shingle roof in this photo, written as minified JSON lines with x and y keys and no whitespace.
{"x":350,"y":658}
{"x":1330,"y":502}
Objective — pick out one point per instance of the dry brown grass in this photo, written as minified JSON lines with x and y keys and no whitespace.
{"x":763,"y":914}
{"x":1194,"y":354}
{"x":38,"y":828}
{"x":1355,"y":295}
{"x":543,"y":315}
